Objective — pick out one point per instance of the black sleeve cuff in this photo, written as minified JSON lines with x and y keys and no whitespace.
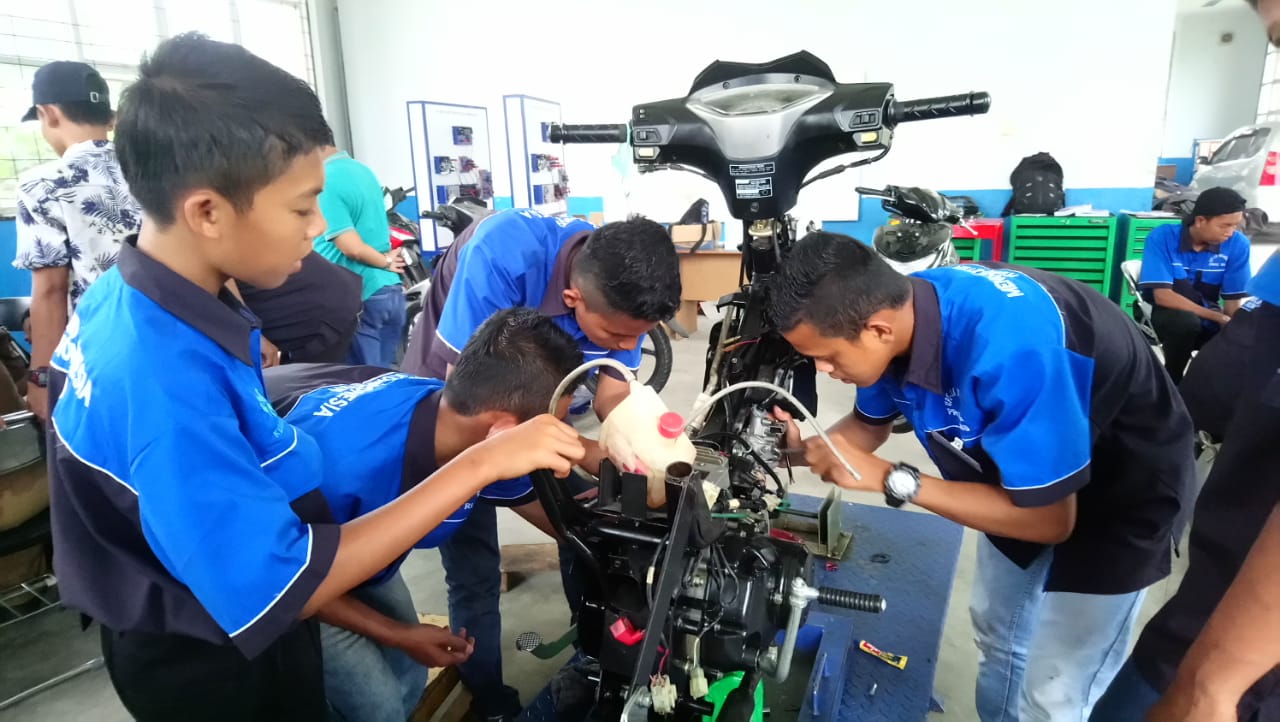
{"x":1155,"y":284}
{"x":1050,"y":493}
{"x":873,"y":421}
{"x":286,"y":610}
{"x":1234,"y":296}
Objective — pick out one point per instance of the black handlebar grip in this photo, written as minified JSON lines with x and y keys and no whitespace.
{"x":858,"y":602}
{"x":599,"y":133}
{"x":947,"y":106}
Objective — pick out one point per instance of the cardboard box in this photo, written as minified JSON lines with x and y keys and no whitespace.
{"x":687,"y":236}
{"x":707,"y":275}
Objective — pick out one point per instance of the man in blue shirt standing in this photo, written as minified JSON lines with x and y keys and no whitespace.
{"x":185,"y":511}
{"x":380,"y":433}
{"x":1188,"y":270}
{"x":606,"y":287}
{"x":1055,"y":432}
{"x":359,"y":238}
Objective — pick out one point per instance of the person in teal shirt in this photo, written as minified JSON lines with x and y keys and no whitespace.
{"x":359,"y":238}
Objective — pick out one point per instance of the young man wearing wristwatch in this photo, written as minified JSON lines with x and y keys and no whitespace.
{"x":359,"y":238}
{"x":1055,"y":431}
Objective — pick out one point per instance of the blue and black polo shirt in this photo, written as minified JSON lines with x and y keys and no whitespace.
{"x":1218,"y":273}
{"x":508,"y":259}
{"x":182,"y":503}
{"x":1036,"y":383}
{"x":376,"y":431}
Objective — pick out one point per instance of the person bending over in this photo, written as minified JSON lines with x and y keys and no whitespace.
{"x":187,"y":514}
{"x":1054,"y":428}
{"x":1189,"y":270}
{"x":379,"y":434}
{"x":606,"y":287}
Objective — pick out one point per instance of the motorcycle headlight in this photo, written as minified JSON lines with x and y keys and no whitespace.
{"x":766,"y":96}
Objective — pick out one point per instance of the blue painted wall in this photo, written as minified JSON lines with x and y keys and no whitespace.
{"x":1186,"y":168}
{"x":13,"y":282}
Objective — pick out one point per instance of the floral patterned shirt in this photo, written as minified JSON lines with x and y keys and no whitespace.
{"x":74,"y":213}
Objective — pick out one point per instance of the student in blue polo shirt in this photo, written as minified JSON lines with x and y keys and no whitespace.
{"x":1055,"y":432}
{"x":380,"y":433}
{"x":606,"y":287}
{"x":186,"y":512}
{"x":1194,"y":275}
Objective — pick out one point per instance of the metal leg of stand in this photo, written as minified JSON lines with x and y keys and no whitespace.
{"x":49,"y":684}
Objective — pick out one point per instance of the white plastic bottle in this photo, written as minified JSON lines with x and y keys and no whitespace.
{"x":642,"y":436}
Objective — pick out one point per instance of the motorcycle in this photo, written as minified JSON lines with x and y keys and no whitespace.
{"x":756,"y":130}
{"x":918,"y":234}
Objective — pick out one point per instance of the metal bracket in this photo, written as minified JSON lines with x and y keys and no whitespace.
{"x":833,"y":542}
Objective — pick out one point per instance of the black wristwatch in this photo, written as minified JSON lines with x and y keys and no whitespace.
{"x":39,"y":377}
{"x":901,"y":484}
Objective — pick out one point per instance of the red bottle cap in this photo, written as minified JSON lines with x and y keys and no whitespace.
{"x":671,"y":425}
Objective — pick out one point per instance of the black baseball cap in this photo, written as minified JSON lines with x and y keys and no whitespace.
{"x":67,"y":81}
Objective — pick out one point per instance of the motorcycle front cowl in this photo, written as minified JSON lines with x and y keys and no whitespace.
{"x":905,"y":242}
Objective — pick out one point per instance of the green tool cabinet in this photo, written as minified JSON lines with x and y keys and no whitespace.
{"x":1133,"y":231}
{"x":1082,"y":248}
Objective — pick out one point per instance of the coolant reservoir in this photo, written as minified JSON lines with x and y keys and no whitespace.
{"x":642,"y":436}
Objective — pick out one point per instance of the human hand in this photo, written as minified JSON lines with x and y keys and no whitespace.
{"x":395,"y":260}
{"x":270,"y":354}
{"x":543,"y":442}
{"x":38,"y":401}
{"x":827,"y":466}
{"x":433,"y":646}
{"x":793,"y":441}
{"x":1222,"y":319}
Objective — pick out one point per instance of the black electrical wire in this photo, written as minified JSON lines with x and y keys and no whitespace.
{"x":754,"y":455}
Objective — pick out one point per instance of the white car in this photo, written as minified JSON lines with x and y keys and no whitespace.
{"x":1248,"y":162}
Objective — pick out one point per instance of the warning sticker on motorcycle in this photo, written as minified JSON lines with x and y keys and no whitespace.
{"x":750,"y":168}
{"x":753,"y":187}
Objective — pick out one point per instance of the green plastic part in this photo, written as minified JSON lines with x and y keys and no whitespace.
{"x":721,"y":689}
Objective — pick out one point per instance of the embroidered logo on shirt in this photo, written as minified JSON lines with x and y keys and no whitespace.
{"x":344,"y":395}
{"x":999,"y":278}
{"x":72,"y":358}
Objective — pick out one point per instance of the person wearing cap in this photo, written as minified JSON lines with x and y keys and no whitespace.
{"x":1242,"y":410}
{"x":72,"y":214}
{"x":1194,"y":275}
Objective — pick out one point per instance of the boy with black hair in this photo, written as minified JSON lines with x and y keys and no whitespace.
{"x":380,"y":433}
{"x":607,"y":287}
{"x":1194,"y":275}
{"x":1056,"y":433}
{"x":187,"y":514}
{"x":73,"y":214}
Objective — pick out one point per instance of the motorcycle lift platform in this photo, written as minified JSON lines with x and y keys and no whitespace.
{"x":907,"y":557}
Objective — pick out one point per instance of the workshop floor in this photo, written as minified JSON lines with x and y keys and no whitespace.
{"x":43,"y":647}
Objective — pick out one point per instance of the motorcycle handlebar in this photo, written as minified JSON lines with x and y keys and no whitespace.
{"x":946,"y":106}
{"x":597,"y":133}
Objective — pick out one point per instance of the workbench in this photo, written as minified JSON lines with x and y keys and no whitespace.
{"x":907,"y":557}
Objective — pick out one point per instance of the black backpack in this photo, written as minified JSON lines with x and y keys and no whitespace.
{"x":1037,"y":186}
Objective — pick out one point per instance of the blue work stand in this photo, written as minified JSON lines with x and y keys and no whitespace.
{"x":909,"y":558}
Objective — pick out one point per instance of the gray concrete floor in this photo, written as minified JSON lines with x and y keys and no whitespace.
{"x":37,"y":649}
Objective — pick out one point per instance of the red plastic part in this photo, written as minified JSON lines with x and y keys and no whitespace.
{"x":624,"y":632}
{"x":1269,"y":169}
{"x":671,"y":425}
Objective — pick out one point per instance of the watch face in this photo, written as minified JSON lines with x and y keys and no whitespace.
{"x":901,"y":483}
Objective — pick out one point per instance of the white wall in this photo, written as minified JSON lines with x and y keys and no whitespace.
{"x":1213,"y":86}
{"x":1083,"y":80}
{"x":326,"y":52}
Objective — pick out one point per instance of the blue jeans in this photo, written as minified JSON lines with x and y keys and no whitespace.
{"x":365,"y":681}
{"x":381,"y":326}
{"x":1129,"y":697}
{"x":1043,"y":657}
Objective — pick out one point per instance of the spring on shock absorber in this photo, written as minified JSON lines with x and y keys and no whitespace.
{"x":858,"y":602}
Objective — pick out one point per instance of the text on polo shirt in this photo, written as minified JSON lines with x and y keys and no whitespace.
{"x":350,"y":392}
{"x":999,"y":277}
{"x":69,"y":350}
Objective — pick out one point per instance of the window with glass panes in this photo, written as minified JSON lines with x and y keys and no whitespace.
{"x":113,"y":35}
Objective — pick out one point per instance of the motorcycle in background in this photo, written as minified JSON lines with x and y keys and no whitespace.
{"x":918,"y":235}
